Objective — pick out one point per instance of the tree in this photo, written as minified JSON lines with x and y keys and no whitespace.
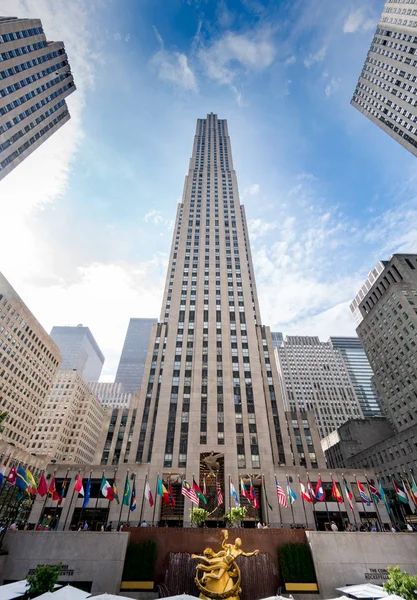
{"x":43,"y":579}
{"x":401,"y":583}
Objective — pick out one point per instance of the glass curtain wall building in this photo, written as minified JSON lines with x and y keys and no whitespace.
{"x":360,"y":372}
{"x":35,"y":79}
{"x":134,"y":353}
{"x":79,"y":350}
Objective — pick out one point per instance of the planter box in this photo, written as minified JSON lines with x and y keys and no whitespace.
{"x":137,"y":585}
{"x":301,"y":587}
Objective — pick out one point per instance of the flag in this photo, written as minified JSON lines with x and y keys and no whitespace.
{"x":311,"y":491}
{"x":43,"y":486}
{"x":219,"y":492}
{"x":21,"y":481}
{"x":87,"y":493}
{"x":414,"y":488}
{"x":126,"y":493}
{"x":348,"y":494}
{"x":11,"y":477}
{"x":266,"y":496}
{"x":199,"y":493}
{"x":148,"y":493}
{"x":253,"y":497}
{"x":52,"y":490}
{"x":204,"y":488}
{"x":282,"y":498}
{"x":362,"y":494}
{"x":106,"y":489}
{"x":383,"y":497}
{"x":304,"y":494}
{"x":172,"y":500}
{"x":402,"y":497}
{"x":244,"y":491}
{"x":78,"y":487}
{"x":115,"y":491}
{"x":319,"y":493}
{"x":32,"y":487}
{"x":290,"y":493}
{"x":162,"y":491}
{"x":336,"y":492}
{"x":187,"y":490}
{"x":407,"y":492}
{"x":63,"y":489}
{"x":374,"y":492}
{"x":133,"y":497}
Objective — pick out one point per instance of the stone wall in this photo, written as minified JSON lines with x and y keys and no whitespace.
{"x":88,"y":557}
{"x":349,"y":558}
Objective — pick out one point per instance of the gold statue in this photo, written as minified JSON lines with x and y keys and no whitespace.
{"x":219,"y":576}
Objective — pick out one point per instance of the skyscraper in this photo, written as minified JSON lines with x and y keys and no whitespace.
{"x":35,"y":79}
{"x":314,"y":377}
{"x":360,"y":372}
{"x":386,"y":92}
{"x":134,"y":353}
{"x":277,"y":338}
{"x":79,"y":350}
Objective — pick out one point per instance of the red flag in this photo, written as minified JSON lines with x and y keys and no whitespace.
{"x":336,"y":493}
{"x":11,"y":478}
{"x":304,"y":494}
{"x":78,"y":487}
{"x":311,"y":491}
{"x":252,"y":495}
{"x":43,"y":486}
{"x":52,"y":490}
{"x":171,"y":495}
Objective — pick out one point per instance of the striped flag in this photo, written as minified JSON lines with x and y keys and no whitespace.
{"x":187,"y":490}
{"x":348,"y":494}
{"x":304,"y":494}
{"x":362,"y":494}
{"x":219,"y":492}
{"x":401,"y":495}
{"x":311,"y":491}
{"x":290,"y":493}
{"x":282,"y":498}
{"x":233,"y":493}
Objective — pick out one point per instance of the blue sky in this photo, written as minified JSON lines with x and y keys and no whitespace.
{"x":327,"y":194}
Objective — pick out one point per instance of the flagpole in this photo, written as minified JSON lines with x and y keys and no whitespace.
{"x":131,"y":495}
{"x":375,"y":503}
{"x":156,"y":500}
{"x":82,"y":507}
{"x":143,"y":498}
{"x":265,"y":499}
{"x":230,"y":492}
{"x":302,"y":498}
{"x":291,"y":502}
{"x":363,"y":504}
{"x":43,"y":506}
{"x":72,"y":497}
{"x":337,"y":502}
{"x":96,"y":504}
{"x":347,"y":493}
{"x":121,"y":504}
{"x":61,"y":498}
{"x":279,"y":504}
{"x":52,"y":495}
{"x":313,"y":502}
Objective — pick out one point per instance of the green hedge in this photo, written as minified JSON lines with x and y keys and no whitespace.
{"x":140,"y":562}
{"x":296,"y":564}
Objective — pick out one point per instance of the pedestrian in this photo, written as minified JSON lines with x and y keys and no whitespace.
{"x":102,"y":527}
{"x":109,"y":526}
{"x":409,"y":528}
{"x":13,"y":526}
{"x":85,"y":528}
{"x":144,"y":524}
{"x":259,"y":525}
{"x":333,"y":526}
{"x":373,"y":528}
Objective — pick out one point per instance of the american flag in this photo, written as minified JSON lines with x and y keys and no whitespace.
{"x":219,"y":493}
{"x":282,"y":498}
{"x":187,"y":490}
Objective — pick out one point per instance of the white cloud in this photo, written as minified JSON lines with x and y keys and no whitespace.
{"x":358,"y":20}
{"x":332,"y":86}
{"x":254,"y":189}
{"x":252,"y":51}
{"x":173,"y":67}
{"x":290,"y":61}
{"x":316,"y":57}
{"x":259,"y":227}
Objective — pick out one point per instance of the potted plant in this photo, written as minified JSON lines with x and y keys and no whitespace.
{"x":297,"y":568}
{"x":235,"y":514}
{"x":198,"y":516}
{"x":139,"y":567}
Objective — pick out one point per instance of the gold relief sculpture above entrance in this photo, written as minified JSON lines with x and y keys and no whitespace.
{"x":211,"y":462}
{"x":217,"y":575}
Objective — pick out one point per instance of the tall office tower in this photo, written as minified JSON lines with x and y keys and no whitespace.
{"x":70,"y":423}
{"x":35,"y":79}
{"x":79,"y":350}
{"x":360,"y":372}
{"x":210,"y":381}
{"x":388,"y":334}
{"x":134,"y":353}
{"x":29,"y":360}
{"x":111,"y":394}
{"x":277,"y":339}
{"x":314,"y":377}
{"x":386,"y":92}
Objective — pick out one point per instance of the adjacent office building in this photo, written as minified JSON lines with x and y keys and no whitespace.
{"x":35,"y":79}
{"x":135,"y":350}
{"x":29,"y":360}
{"x":314,"y":377}
{"x":70,"y":423}
{"x":386,"y":92}
{"x":360,"y":372}
{"x":79,"y":350}
{"x":277,"y":338}
{"x":111,"y":395}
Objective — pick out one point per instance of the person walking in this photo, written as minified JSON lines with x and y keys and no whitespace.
{"x":333,"y":526}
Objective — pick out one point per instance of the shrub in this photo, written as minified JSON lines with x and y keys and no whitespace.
{"x":235,"y":514}
{"x":401,"y":583}
{"x":297,"y":564}
{"x":140,"y":561}
{"x":198,"y":516}
{"x":43,"y":579}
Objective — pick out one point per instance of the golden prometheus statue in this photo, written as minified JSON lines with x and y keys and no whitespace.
{"x":218,"y":576}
